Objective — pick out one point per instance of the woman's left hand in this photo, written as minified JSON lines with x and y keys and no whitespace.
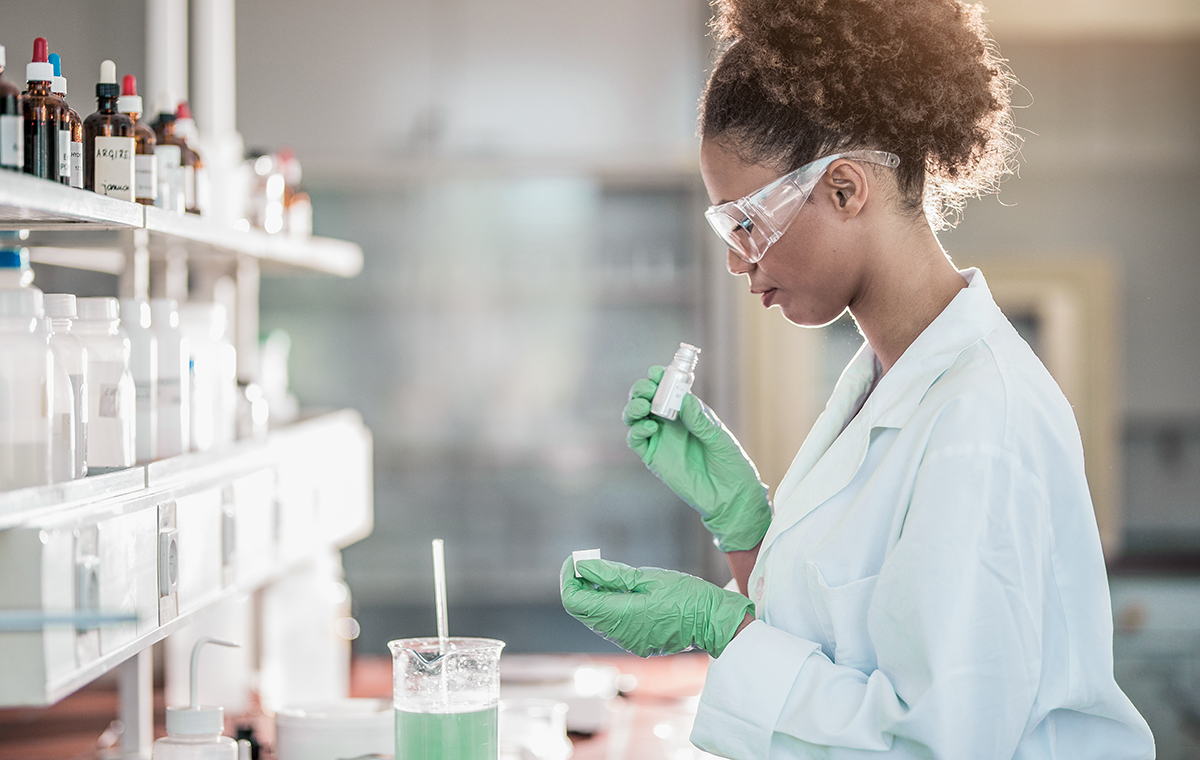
{"x":650,"y":611}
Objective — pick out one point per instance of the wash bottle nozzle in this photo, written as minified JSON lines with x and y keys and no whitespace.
{"x":196,"y":718}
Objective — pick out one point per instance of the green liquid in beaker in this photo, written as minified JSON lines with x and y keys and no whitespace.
{"x":448,"y":735}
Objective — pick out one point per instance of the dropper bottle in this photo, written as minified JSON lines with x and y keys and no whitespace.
{"x":145,"y":189}
{"x":167,"y":128}
{"x":196,"y":732}
{"x":108,"y":142}
{"x":42,"y":109}
{"x":676,"y":381}
{"x":70,"y":132}
{"x":12,"y":123}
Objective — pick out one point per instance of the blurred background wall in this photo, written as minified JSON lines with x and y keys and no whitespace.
{"x":522,"y":176}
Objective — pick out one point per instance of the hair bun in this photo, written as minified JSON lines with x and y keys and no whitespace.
{"x":920,"y":78}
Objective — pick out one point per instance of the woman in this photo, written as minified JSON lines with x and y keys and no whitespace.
{"x":930,"y":581}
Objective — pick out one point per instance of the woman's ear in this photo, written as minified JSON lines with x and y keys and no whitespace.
{"x":845,"y":187}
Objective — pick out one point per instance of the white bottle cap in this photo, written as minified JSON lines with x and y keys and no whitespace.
{"x":58,"y":85}
{"x":130,"y":104}
{"x":3,"y":59}
{"x":583,"y":554}
{"x":135,"y":311}
{"x":195,"y":718}
{"x":39,"y":71}
{"x":60,"y":305}
{"x":101,"y":309}
{"x":164,"y":311}
{"x":108,"y":72}
{"x":21,"y":302}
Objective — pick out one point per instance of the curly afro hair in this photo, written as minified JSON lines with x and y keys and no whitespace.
{"x":798,"y":79}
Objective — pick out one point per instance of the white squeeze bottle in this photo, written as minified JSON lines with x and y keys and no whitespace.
{"x":70,"y":351}
{"x":196,"y":732}
{"x":143,"y":364}
{"x":174,"y":381}
{"x":676,"y":381}
{"x":111,"y":393}
{"x":26,"y":390}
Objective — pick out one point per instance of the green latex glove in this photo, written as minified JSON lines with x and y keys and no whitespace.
{"x":649,"y":611}
{"x":701,"y":461}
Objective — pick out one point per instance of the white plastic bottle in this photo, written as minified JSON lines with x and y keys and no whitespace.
{"x":143,"y":364}
{"x":676,"y":381}
{"x":26,"y":390}
{"x":214,"y":375}
{"x":71,"y":352}
{"x":111,"y":393}
{"x":196,"y":732}
{"x":15,"y":271}
{"x":174,"y":381}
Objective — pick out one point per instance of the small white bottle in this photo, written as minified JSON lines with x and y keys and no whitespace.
{"x":143,"y":364}
{"x":213,"y":373}
{"x":676,"y":381}
{"x":70,"y":352}
{"x":196,"y":732}
{"x":27,"y":377}
{"x":174,"y":382}
{"x":111,"y":392}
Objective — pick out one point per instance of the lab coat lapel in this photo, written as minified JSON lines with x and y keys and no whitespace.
{"x":831,"y":452}
{"x":831,"y":455}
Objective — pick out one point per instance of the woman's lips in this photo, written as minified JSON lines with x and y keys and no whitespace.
{"x":766,"y":297}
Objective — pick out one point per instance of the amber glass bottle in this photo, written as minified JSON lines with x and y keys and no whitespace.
{"x":194,"y":178}
{"x":108,"y":142}
{"x":12,"y":123}
{"x":70,"y":133}
{"x":145,"y":171}
{"x":42,"y":110}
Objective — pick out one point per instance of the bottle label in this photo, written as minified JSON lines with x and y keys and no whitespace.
{"x":64,"y":155}
{"x":114,"y":167}
{"x":12,"y":142}
{"x":169,"y":391}
{"x":189,"y":187}
{"x":145,"y":177}
{"x":110,"y":401}
{"x":76,"y":164}
{"x":170,"y":195}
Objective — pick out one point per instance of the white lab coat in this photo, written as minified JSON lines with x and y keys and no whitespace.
{"x":932,"y":584}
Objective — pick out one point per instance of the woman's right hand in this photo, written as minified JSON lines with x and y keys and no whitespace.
{"x":701,"y":461}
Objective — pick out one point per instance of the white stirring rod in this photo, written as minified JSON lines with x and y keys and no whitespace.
{"x":439,"y":587}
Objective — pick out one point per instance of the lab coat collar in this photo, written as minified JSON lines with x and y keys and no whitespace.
{"x":968,"y":318}
{"x":837,"y":444}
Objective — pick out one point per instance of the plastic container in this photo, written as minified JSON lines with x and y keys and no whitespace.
{"x":174,"y":381}
{"x":143,"y":365}
{"x":26,"y":391}
{"x":112,"y":398}
{"x":447,"y":703}
{"x":334,"y":729}
{"x":214,"y":391}
{"x":676,"y":381}
{"x":71,"y":352}
{"x":195,"y":732}
{"x":15,"y":271}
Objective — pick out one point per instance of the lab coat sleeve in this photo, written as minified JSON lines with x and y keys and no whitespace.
{"x":954,"y":620}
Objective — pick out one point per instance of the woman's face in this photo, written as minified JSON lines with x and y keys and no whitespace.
{"x":813,"y":271}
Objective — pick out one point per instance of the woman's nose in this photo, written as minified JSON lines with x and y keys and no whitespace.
{"x":736,"y":264}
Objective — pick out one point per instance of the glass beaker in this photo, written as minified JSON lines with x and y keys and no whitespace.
{"x":447,"y":704}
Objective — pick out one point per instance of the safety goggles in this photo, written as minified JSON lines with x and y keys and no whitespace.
{"x":750,"y":225}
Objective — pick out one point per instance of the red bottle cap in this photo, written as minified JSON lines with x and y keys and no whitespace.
{"x":41,"y":51}
{"x":129,"y":85}
{"x":40,"y":69}
{"x":183,"y":112}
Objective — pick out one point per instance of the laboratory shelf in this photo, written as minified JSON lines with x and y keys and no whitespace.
{"x":27,"y":202}
{"x":167,"y":542}
{"x":80,"y":229}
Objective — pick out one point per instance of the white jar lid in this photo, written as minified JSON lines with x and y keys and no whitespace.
{"x":192,"y":721}
{"x":102,"y":308}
